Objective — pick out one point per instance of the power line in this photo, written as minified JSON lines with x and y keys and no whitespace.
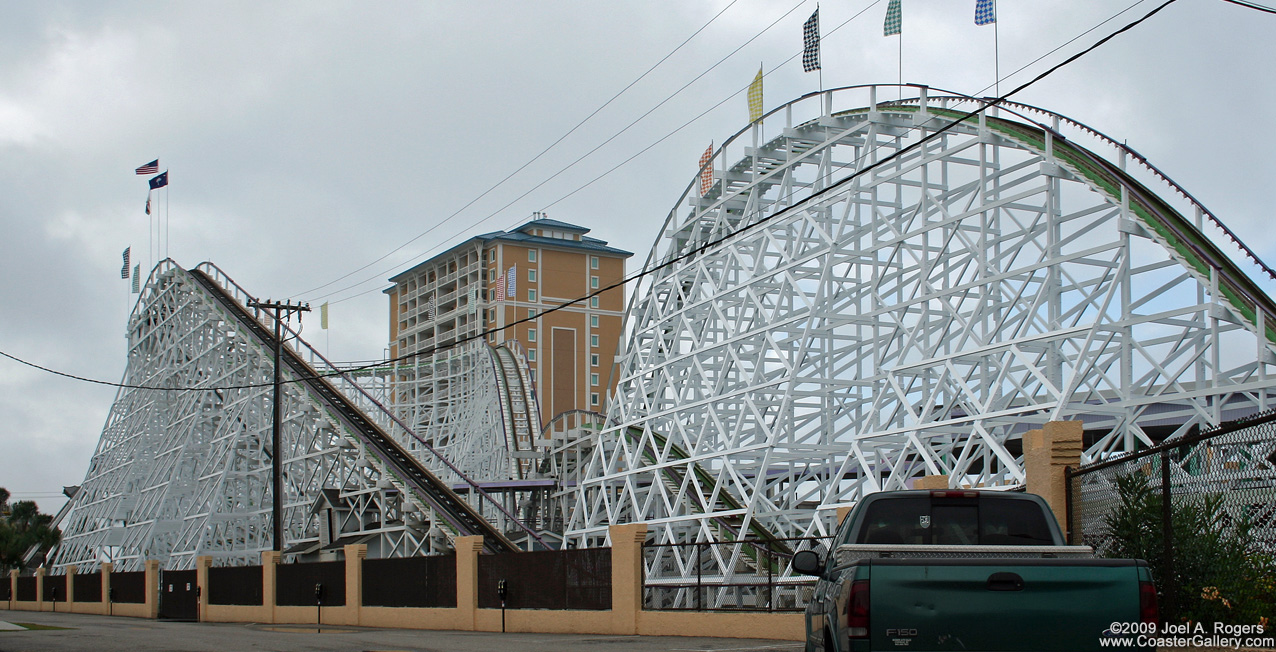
{"x":529,"y":162}
{"x":701,"y":115}
{"x":589,"y":153}
{"x":1252,"y":5}
{"x":985,"y":104}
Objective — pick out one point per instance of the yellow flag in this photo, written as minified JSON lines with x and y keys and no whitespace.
{"x":323,"y":316}
{"x":755,"y":97}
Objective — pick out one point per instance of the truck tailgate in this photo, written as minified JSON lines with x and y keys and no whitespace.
{"x":999,"y":604}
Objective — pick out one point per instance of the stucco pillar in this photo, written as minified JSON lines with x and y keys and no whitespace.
{"x":1046,"y":453}
{"x":626,"y":576}
{"x":13,"y":587}
{"x":842,"y":512}
{"x":355,"y":554}
{"x":202,"y":564}
{"x":467,"y":553}
{"x":105,"y":569}
{"x":269,"y":560}
{"x":70,"y":588}
{"x":39,"y":588}
{"x":932,"y":482}
{"x":152,"y":588}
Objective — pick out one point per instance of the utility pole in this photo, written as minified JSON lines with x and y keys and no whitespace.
{"x":277,"y":484}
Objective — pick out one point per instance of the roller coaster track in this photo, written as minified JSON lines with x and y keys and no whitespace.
{"x":424,"y":484}
{"x":1180,"y":236}
{"x":518,"y":408}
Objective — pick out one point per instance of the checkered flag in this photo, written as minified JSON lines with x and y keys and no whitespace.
{"x":706,"y":171}
{"x":984,"y":13}
{"x":894,"y":19}
{"x":811,"y":42}
{"x":755,"y":97}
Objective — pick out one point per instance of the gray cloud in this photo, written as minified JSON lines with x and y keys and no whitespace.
{"x":306,"y":139}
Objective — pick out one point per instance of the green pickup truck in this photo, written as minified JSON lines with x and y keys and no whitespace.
{"x":967,"y":570}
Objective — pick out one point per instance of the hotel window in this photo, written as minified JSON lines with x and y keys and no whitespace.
{"x":593,"y":379}
{"x":531,"y":335}
{"x":531,"y":255}
{"x":531,"y":276}
{"x":491,"y":276}
{"x":531,"y":313}
{"x":593,"y":262}
{"x":531,"y":295}
{"x":531,"y":355}
{"x":593,"y":341}
{"x":593,"y":359}
{"x":593,"y":302}
{"x":593,"y":321}
{"x":593,"y":282}
{"x":593,"y":398}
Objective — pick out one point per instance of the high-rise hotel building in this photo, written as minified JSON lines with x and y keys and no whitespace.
{"x":492,"y":281}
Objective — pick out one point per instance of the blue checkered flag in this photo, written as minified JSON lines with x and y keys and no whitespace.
{"x":984,"y":12}
{"x":894,"y":19}
{"x":811,"y":42}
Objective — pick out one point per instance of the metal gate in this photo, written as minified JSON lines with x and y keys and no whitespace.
{"x":179,"y":595}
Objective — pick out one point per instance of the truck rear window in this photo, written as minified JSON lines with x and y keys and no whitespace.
{"x":924,"y":520}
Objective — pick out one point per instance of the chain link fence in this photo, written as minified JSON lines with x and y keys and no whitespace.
{"x":1201,"y":509}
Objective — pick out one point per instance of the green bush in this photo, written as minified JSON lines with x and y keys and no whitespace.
{"x":1219,"y":573}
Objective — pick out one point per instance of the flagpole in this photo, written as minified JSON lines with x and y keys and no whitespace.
{"x":168,"y":221}
{"x":996,"y":53}
{"x":901,"y":64}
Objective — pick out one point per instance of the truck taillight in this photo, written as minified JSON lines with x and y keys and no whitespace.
{"x":1148,"y":611}
{"x":857,"y":610}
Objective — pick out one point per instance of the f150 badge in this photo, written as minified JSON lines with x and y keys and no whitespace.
{"x":902,"y":637}
{"x":925,"y":520}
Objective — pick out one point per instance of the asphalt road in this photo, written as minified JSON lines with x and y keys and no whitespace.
{"x":84,"y":632}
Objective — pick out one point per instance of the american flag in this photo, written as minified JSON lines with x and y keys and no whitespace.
{"x":706,"y":171}
{"x":984,"y":13}
{"x":811,"y":42}
{"x":149,"y":168}
{"x":511,"y":280}
{"x":124,"y":269}
{"x":500,"y":288}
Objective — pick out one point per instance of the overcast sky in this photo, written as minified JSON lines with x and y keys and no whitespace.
{"x":307,"y":139}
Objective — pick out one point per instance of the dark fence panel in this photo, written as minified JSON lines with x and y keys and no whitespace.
{"x":87,"y":587}
{"x":55,"y":588}
{"x":26,"y":589}
{"x":295,"y":584}
{"x":239,"y":585}
{"x":6,"y":589}
{"x":128,"y":587}
{"x":761,"y":577}
{"x":548,"y":579}
{"x":1200,"y":509}
{"x":410,"y":582}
